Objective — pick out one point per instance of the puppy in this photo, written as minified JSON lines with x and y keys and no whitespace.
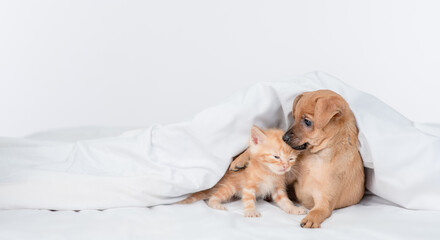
{"x":329,"y":170}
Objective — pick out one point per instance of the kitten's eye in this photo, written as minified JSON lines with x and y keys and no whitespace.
{"x":276,"y":157}
{"x":291,"y":159}
{"x":307,"y":122}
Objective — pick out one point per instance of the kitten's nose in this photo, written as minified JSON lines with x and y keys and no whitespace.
{"x":286,"y":137}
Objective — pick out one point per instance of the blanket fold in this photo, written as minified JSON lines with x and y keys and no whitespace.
{"x":160,"y":164}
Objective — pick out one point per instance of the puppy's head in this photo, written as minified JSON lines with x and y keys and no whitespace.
{"x":318,"y":116}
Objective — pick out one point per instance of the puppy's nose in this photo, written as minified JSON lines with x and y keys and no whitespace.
{"x":286,"y":137}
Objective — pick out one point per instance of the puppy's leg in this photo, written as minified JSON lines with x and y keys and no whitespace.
{"x":249,"y":200}
{"x":280,"y":197}
{"x":321,"y":210}
{"x":240,"y":161}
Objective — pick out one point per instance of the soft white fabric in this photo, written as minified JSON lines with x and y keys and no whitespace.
{"x":373,"y":218}
{"x":159,"y":164}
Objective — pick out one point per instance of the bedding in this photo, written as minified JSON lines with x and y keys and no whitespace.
{"x":373,"y":218}
{"x":123,"y":171}
{"x":160,"y":164}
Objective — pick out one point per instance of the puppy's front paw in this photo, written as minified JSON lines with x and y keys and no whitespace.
{"x":251,"y":213}
{"x":312,"y":220}
{"x":240,"y":161}
{"x":237,"y":166}
{"x":296,"y":210}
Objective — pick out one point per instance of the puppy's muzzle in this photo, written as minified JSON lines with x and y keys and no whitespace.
{"x":301,"y":147}
{"x":287,"y":137}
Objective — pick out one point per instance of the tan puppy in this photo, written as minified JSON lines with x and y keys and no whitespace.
{"x":330,"y":172}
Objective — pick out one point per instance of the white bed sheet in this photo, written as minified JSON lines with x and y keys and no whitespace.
{"x":162,"y":163}
{"x":373,"y":218}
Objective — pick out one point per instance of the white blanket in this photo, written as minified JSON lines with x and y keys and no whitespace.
{"x":160,"y":164}
{"x":374,"y":218}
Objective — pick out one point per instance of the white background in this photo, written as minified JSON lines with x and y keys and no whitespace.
{"x":135,"y":63}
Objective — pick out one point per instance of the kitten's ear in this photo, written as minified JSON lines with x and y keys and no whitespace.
{"x":257,"y":136}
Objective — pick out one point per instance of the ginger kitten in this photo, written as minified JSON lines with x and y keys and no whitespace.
{"x":270,"y":159}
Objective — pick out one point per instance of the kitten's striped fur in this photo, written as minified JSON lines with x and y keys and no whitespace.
{"x":270,"y":163}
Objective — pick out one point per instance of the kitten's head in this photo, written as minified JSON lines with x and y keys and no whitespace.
{"x":268,"y":148}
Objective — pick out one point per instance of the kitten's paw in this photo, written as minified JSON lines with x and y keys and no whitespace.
{"x":251,"y":213}
{"x":296,"y":210}
{"x":217,"y":206}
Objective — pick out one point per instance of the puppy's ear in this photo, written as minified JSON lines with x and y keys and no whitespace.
{"x":327,"y":108}
{"x":295,"y":102}
{"x":257,"y":136}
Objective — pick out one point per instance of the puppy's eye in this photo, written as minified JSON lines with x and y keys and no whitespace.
{"x":276,"y":157}
{"x":307,"y":122}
